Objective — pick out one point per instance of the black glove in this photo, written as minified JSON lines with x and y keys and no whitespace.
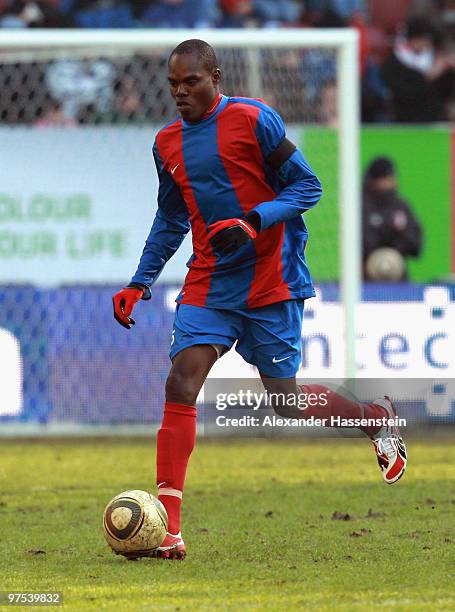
{"x":228,"y":235}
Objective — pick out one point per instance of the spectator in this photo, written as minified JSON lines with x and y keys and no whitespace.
{"x":374,"y":95}
{"x":236,"y":13}
{"x":99,"y":13}
{"x":128,"y":107}
{"x":343,"y":9}
{"x":317,"y":71}
{"x":207,"y":13}
{"x":388,"y":222}
{"x":447,"y":15}
{"x":421,"y":78}
{"x":283,"y":87}
{"x":182,"y":13}
{"x":319,"y":75}
{"x":328,"y":107}
{"x":78,"y":83}
{"x":272,"y":13}
{"x":129,"y":104}
{"x":54,"y":116}
{"x":33,"y":14}
{"x":346,"y":9}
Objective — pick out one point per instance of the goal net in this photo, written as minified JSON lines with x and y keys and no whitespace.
{"x":77,"y":201}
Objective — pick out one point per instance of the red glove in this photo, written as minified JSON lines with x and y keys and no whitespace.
{"x":124,"y":301}
{"x":230,"y":234}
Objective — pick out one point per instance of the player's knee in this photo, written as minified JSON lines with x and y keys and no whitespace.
{"x":188,"y":373}
{"x":181,"y":387}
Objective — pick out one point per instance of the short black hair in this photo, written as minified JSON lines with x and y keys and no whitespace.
{"x":420,"y":27}
{"x":204,"y":52}
{"x":380,"y":167}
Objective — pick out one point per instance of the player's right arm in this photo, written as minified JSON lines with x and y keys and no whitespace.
{"x":169,"y":228}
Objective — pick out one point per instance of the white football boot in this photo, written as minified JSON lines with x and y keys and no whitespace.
{"x":389,"y":446}
{"x":172,"y":547}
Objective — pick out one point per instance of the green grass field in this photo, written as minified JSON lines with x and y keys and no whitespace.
{"x":270,"y":525}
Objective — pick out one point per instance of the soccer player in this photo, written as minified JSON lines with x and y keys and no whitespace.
{"x":227,"y":171}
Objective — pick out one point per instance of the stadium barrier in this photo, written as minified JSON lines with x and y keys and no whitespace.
{"x":83,"y":215}
{"x":67,"y":363}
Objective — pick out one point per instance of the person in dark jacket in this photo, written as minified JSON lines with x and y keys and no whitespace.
{"x":419,"y":76}
{"x":389,"y":225}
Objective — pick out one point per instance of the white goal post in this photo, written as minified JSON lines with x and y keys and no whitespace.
{"x":345,"y":44}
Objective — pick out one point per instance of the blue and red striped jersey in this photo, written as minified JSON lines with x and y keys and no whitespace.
{"x":216,"y":169}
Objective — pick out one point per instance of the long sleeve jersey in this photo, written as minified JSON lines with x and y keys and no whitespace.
{"x":217,"y":169}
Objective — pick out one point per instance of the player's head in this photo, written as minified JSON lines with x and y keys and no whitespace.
{"x":194,"y":77}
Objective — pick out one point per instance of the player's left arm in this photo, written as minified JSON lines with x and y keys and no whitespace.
{"x":300,"y":187}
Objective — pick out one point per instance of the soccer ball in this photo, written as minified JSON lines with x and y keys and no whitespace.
{"x":385,"y":264}
{"x":135,"y":524}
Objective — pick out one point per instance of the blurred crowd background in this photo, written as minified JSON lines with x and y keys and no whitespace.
{"x":406,"y":65}
{"x":407,"y":60}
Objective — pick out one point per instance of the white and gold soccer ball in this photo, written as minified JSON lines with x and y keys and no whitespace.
{"x":385,"y":264}
{"x":135,"y":524}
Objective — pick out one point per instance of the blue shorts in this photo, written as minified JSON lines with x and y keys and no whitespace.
{"x":268,"y":337}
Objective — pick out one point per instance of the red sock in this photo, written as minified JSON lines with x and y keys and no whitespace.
{"x":174,"y":444}
{"x":340,"y":406}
